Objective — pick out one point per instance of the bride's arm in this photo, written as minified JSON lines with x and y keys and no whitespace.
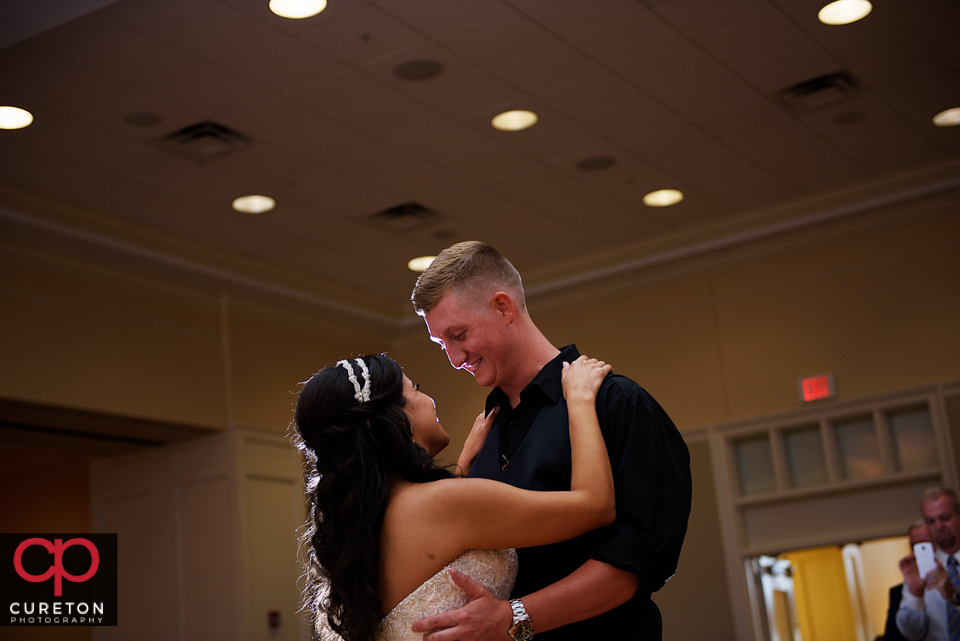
{"x":479,"y":513}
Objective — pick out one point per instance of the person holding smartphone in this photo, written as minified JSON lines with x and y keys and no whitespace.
{"x":930,"y":604}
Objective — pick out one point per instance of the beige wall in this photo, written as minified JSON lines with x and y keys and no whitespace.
{"x":721,"y":339}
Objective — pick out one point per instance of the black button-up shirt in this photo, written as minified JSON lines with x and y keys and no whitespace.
{"x":529,"y":447}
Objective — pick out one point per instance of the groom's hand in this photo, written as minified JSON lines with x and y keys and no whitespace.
{"x":484,"y":618}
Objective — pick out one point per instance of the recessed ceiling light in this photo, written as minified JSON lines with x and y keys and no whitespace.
{"x":297,"y":9}
{"x":515,"y":120}
{"x":844,"y":11}
{"x":947,"y":118}
{"x":254,"y":204}
{"x":14,"y":118}
{"x":420,"y":264}
{"x":663,"y":198}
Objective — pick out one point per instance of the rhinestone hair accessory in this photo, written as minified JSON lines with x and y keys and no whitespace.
{"x":362,"y":395}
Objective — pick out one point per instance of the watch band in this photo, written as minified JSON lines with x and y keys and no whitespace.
{"x":522,"y":628}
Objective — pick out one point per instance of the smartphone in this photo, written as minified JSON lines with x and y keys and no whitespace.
{"x":925,"y":559}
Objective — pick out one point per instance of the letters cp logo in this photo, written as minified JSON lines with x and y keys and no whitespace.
{"x":56,"y":570}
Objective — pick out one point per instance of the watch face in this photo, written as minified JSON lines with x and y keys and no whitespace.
{"x":522,"y":631}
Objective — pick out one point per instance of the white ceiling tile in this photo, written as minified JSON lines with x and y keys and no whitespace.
{"x":361,"y":36}
{"x":467,"y":94}
{"x":395,"y":119}
{"x":382,"y":69}
{"x":763,"y":132}
{"x":537,"y":71}
{"x":695,"y":209}
{"x":40,"y":172}
{"x":209,"y":187}
{"x":756,"y":41}
{"x":590,"y":93}
{"x":553,"y":135}
{"x":446,"y":142}
{"x":325,"y":141}
{"x":78,"y":143}
{"x":110,"y":117}
{"x":488,"y":162}
{"x":938,"y":20}
{"x":144,"y":14}
{"x":342,"y":94}
{"x":628,"y":44}
{"x":376,"y":162}
{"x":141,"y":61}
{"x":211,"y":91}
{"x":498,"y":38}
{"x":436,"y":17}
{"x":568,"y":17}
{"x":711,"y":87}
{"x":678,"y":91}
{"x":880,"y":142}
{"x":260,"y":10}
{"x":72,"y":88}
{"x":272,"y":118}
{"x":214,"y":31}
{"x":338,"y":192}
{"x":22,"y":61}
{"x":91,"y":33}
{"x":260,"y":164}
{"x":283,"y":64}
{"x":723,"y":174}
{"x":153,"y":168}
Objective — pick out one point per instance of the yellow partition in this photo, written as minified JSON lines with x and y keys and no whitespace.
{"x":824,"y":611}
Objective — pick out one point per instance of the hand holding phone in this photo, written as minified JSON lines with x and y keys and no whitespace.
{"x":926,"y":562}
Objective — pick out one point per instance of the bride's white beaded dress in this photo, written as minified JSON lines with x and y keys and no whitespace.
{"x":494,"y":569}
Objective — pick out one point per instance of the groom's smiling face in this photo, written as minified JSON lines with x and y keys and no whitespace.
{"x":472,"y":335}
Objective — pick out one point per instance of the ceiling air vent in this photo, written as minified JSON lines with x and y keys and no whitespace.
{"x":824,"y":91}
{"x":403,"y":218}
{"x":203,"y":142}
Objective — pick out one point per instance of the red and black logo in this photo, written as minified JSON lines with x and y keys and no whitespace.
{"x":58,"y":579}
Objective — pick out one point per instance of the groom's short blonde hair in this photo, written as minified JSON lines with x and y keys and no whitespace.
{"x":472,"y":268}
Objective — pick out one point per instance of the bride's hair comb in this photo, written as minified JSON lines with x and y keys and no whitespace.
{"x":362,"y":395}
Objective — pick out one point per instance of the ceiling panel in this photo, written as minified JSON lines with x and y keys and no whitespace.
{"x":361,"y":36}
{"x":680,"y":93}
{"x":497,"y":38}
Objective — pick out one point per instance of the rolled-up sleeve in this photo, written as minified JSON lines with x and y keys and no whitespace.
{"x":651,"y":468}
{"x":912,"y":616}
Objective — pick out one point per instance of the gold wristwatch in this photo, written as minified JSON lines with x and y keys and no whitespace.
{"x":522,"y":628}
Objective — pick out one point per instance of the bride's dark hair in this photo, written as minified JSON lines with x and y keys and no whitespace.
{"x":354,"y":452}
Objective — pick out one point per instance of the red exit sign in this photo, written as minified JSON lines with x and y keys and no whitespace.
{"x":815,"y":388}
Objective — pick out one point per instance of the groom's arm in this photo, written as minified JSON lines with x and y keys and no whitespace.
{"x":592,"y":589}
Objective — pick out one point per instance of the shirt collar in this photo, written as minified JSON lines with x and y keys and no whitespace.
{"x":547,"y":380}
{"x":943,"y":556}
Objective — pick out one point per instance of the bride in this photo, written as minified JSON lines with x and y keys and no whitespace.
{"x":388,"y":527}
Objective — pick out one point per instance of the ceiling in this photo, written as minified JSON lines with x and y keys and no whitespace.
{"x":683,"y":94}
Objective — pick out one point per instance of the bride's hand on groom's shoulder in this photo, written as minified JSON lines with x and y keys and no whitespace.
{"x":484,"y":618}
{"x":475,"y":440}
{"x":581,"y":379}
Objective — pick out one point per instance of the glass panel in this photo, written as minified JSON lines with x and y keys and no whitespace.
{"x":754,"y":465}
{"x":915,"y":447}
{"x":859,"y":450}
{"x":805,"y":459}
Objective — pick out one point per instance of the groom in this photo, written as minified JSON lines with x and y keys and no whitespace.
{"x":597,"y":585}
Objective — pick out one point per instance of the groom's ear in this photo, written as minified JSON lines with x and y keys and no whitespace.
{"x":503,"y":305}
